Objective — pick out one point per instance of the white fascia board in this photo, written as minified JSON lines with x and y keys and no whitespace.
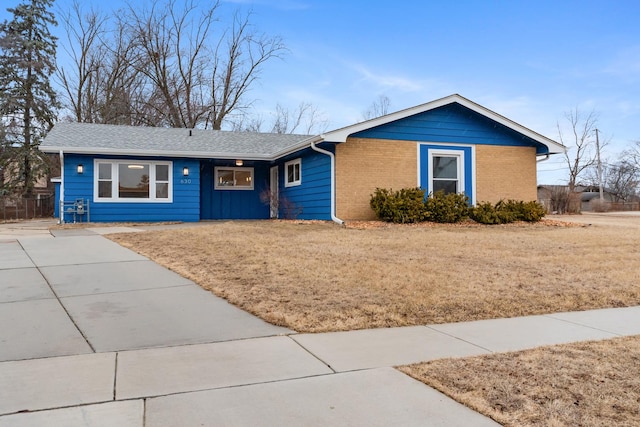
{"x":341,"y":135}
{"x":299,"y":146}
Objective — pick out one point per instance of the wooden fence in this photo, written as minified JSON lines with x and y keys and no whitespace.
{"x":12,"y":207}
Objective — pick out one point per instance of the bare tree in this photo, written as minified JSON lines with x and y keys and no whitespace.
{"x":580,"y":154}
{"x":620,"y":179}
{"x":162,"y":65}
{"x":237,"y":63}
{"x":378,"y":108}
{"x":101,"y":86}
{"x":306,"y":119}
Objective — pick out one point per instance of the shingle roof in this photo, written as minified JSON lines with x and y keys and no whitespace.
{"x":88,"y":138}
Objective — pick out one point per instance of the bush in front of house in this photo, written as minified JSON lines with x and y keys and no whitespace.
{"x":505,"y":212}
{"x":409,"y":205}
{"x":402,"y":206}
{"x":447,"y":208}
{"x":486,"y":213}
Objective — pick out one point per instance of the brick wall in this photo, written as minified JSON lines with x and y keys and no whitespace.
{"x":505,"y":173}
{"x":364,"y":164}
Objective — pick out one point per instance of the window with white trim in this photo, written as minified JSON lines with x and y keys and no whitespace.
{"x":293,"y":173}
{"x":132,"y":181}
{"x":446,"y":171}
{"x":229,"y":178}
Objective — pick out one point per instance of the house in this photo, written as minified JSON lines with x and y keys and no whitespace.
{"x":121,"y":173}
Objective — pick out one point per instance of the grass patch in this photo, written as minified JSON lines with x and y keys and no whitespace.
{"x":584,"y":384}
{"x":316,"y":277}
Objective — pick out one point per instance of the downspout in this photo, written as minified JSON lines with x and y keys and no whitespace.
{"x":61,"y":201}
{"x":332,"y":157}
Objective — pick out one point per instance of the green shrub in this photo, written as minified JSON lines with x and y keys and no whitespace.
{"x":486,"y":213}
{"x":403,"y":206}
{"x":447,"y":208}
{"x":508,"y":211}
{"x":532,"y":211}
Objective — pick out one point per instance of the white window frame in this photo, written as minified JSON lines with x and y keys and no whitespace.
{"x":115,"y":179}
{"x":293,"y":164}
{"x":459,"y":154}
{"x":217,"y":186}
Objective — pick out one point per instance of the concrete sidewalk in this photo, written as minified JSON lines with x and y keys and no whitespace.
{"x":93,"y":334}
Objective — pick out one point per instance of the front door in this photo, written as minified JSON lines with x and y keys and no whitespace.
{"x":273,"y":192}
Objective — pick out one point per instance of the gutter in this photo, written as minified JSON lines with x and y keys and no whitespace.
{"x":61,"y":201}
{"x":332,"y":157}
{"x":546,"y":157}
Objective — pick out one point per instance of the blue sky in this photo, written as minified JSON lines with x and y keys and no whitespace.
{"x":528,"y":60}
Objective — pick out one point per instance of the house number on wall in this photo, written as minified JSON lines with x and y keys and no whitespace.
{"x":185,"y":181}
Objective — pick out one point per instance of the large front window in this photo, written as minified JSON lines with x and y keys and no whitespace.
{"x":132,"y":181}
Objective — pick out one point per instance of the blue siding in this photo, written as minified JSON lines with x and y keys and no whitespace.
{"x":233,"y":204}
{"x":184,"y":207}
{"x":312,"y":198}
{"x":451,"y":123}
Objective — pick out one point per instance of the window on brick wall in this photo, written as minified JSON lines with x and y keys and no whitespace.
{"x":446,"y":171}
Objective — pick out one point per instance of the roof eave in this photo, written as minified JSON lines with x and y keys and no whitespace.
{"x":341,"y":135}
{"x":155,"y":153}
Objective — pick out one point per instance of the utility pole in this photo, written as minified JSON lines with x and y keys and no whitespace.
{"x":599,"y":168}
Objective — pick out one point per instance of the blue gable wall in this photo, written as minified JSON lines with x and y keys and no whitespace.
{"x":186,"y":195}
{"x":312,"y":198}
{"x":451,"y":123}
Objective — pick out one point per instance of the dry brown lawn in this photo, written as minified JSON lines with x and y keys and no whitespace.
{"x":584,"y":384}
{"x":320,"y":277}
{"x":314,"y":277}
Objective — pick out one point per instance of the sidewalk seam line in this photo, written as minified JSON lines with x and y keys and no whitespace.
{"x":458,"y":338}
{"x":115,"y":375}
{"x":58,"y":299}
{"x":312,"y":354}
{"x":550,"y":316}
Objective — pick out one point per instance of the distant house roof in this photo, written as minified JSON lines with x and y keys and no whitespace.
{"x":88,"y":138}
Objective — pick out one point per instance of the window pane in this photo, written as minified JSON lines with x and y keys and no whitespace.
{"x":445,"y":167}
{"x":162,"y":191}
{"x":296,"y":172}
{"x":134,"y":181}
{"x":290,"y":173}
{"x":243,"y":179}
{"x":225,"y":177}
{"x":104,"y":189}
{"x":104,"y":170}
{"x":162,"y":172}
{"x":445,"y":185}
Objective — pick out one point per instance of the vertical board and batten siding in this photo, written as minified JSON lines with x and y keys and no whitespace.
{"x":312,"y":198}
{"x":186,"y":195}
{"x":233,"y":204}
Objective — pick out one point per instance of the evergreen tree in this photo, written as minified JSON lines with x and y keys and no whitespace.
{"x":28,"y":104}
